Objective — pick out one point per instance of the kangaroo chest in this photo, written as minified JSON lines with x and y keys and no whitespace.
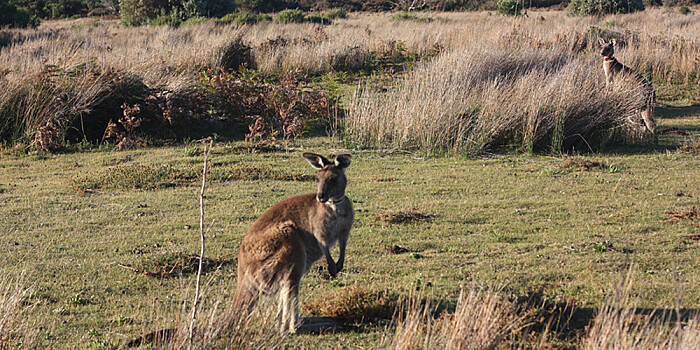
{"x":335,"y":220}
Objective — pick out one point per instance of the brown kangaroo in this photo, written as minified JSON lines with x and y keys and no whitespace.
{"x":281,"y":246}
{"x":612,"y":68}
{"x":289,"y":237}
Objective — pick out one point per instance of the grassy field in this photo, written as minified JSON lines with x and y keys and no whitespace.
{"x":99,"y":245}
{"x":560,"y":226}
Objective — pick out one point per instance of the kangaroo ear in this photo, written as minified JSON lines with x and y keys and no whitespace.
{"x":343,"y":161}
{"x":316,"y":161}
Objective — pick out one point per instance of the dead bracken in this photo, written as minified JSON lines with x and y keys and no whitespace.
{"x":691,"y":214}
{"x":402,"y":217}
{"x":579,"y":164}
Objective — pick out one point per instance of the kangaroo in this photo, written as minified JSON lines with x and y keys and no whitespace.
{"x":288,"y":238}
{"x":612,"y":68}
{"x":281,"y":246}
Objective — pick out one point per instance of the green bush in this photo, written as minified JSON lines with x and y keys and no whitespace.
{"x":290,"y":16}
{"x":318,"y":19}
{"x":508,"y":7}
{"x":407,"y":16}
{"x":15,"y":17}
{"x":335,"y":13}
{"x":603,"y":7}
{"x":193,"y":21}
{"x":140,"y":12}
{"x":684,"y":10}
{"x":174,"y":18}
{"x":243,"y":18}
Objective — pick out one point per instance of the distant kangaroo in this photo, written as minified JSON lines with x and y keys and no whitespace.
{"x":289,"y":237}
{"x":612,"y":68}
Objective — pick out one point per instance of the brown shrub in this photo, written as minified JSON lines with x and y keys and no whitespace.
{"x":400,"y":217}
{"x":690,"y":148}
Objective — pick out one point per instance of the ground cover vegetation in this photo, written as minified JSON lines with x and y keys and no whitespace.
{"x":582,"y":233}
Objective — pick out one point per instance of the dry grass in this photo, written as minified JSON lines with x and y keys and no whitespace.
{"x":403,"y":216}
{"x":87,"y":59}
{"x":691,"y":214}
{"x":690,"y":148}
{"x":481,"y":320}
{"x":353,"y":305}
{"x":15,"y":330}
{"x":619,"y":325}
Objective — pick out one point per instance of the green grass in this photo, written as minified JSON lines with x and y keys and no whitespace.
{"x":524,"y":223}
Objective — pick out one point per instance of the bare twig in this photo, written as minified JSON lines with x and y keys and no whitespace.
{"x":195,"y":303}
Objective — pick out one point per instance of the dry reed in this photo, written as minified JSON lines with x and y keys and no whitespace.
{"x":620,"y":325}
{"x":482,"y":320}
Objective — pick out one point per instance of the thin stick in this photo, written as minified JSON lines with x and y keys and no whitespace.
{"x":201,"y":233}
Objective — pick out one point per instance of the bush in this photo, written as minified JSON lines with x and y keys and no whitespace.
{"x":243,"y":18}
{"x":15,"y":17}
{"x":335,"y":13}
{"x":407,"y":16}
{"x":193,"y":21}
{"x":508,"y":7}
{"x":317,"y":19}
{"x":290,"y":16}
{"x":174,"y":19}
{"x":684,"y":10}
{"x":603,"y":7}
{"x":140,"y":12}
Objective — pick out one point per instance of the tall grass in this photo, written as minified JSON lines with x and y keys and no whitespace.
{"x":662,"y":45}
{"x":15,"y":332}
{"x":469,"y":101}
{"x":481,"y":320}
{"x":620,"y":325}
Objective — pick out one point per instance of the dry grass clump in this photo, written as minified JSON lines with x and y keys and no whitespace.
{"x":619,"y":326}
{"x":353,"y":305}
{"x":579,"y":164}
{"x":401,"y":217}
{"x":481,"y":320}
{"x":690,"y":148}
{"x":468,"y":101}
{"x":691,"y":214}
{"x":15,"y":332}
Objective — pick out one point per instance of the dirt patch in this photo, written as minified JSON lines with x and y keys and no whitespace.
{"x":695,"y":237}
{"x":403,"y":217}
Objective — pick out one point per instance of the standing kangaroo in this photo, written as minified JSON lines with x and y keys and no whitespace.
{"x":612,"y":68}
{"x":289,"y":237}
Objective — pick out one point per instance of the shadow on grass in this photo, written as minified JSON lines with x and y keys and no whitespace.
{"x":672,"y":112}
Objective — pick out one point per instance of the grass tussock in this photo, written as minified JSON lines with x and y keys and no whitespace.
{"x":619,"y":325}
{"x":353,"y":305}
{"x":403,"y":217}
{"x":15,"y":331}
{"x":690,"y":148}
{"x":469,"y":102}
{"x":580,"y":164}
{"x":481,"y":320}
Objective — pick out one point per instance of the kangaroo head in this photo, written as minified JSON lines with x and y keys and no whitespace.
{"x":331,"y":180}
{"x":607,"y":49}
